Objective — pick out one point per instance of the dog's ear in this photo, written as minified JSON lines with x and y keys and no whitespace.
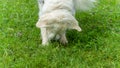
{"x":41,"y":24}
{"x":75,"y":26}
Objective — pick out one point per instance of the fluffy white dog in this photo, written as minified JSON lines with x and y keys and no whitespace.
{"x":56,"y":16}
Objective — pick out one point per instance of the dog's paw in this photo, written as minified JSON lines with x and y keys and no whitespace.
{"x":45,"y":44}
{"x":63,"y":41}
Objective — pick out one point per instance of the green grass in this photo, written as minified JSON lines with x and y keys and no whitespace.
{"x":97,"y":46}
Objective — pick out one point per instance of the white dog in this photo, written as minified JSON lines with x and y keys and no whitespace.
{"x":56,"y":16}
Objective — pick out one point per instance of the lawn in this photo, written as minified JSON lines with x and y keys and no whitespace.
{"x":97,"y":46}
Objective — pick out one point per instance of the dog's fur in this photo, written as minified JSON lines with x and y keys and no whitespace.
{"x":56,"y":16}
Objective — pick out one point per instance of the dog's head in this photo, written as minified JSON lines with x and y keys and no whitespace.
{"x":60,"y":22}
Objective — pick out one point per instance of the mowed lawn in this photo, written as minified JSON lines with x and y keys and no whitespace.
{"x":97,"y":46}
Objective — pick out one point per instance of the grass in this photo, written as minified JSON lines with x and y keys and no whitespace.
{"x":97,"y":46}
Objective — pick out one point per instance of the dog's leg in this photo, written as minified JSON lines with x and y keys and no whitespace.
{"x":40,"y":5}
{"x":63,"y":39}
{"x":44,"y":36}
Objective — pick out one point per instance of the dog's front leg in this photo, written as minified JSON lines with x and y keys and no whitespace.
{"x":40,"y":3}
{"x":63,"y":39}
{"x":44,"y":36}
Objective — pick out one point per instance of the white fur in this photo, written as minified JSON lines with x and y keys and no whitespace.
{"x":84,"y":5}
{"x":56,"y":16}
